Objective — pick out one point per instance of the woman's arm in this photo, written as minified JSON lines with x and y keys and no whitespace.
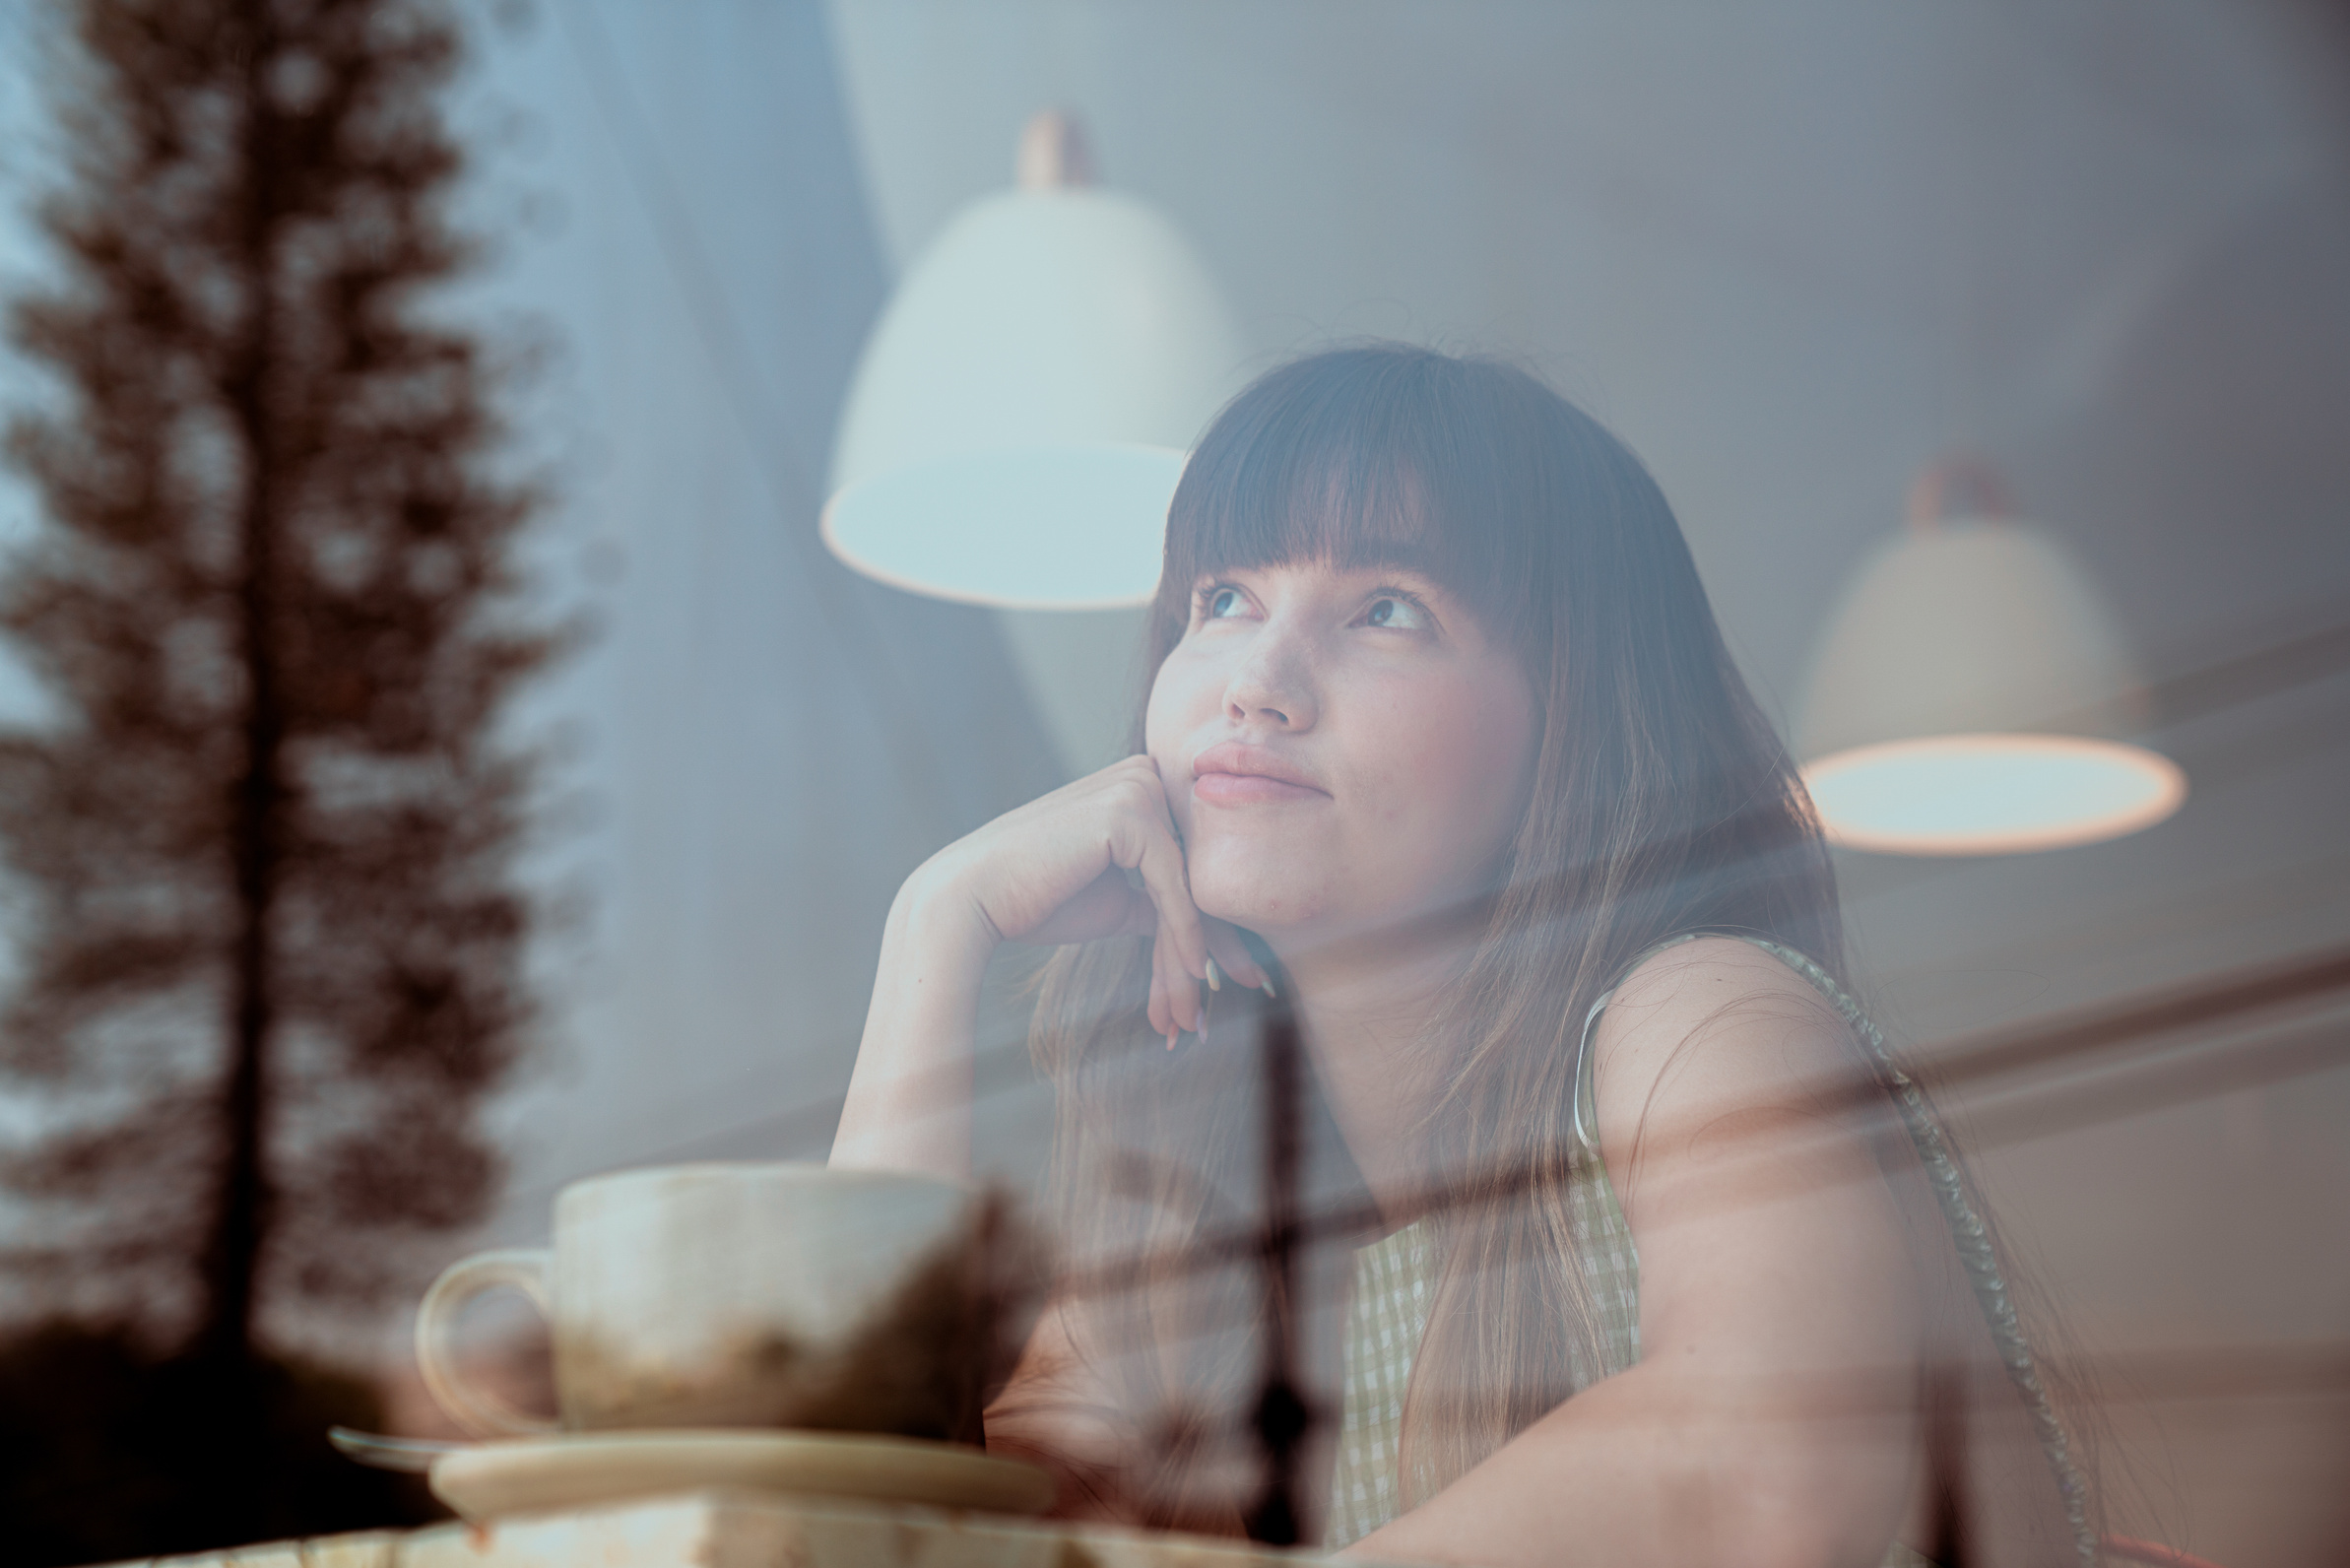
{"x":1060,"y":1411}
{"x":1771,"y":1418}
{"x":1095,"y":859}
{"x":909,"y":1099}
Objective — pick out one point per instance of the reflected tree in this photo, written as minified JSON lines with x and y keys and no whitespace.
{"x":270,"y":944}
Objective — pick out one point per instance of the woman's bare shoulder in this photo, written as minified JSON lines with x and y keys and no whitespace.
{"x":1710,"y":981}
{"x":1711,"y":1027}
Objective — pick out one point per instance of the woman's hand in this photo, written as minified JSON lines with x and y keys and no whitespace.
{"x":1095,"y":859}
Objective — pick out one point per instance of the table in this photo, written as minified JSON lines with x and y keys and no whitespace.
{"x":725,"y":1530}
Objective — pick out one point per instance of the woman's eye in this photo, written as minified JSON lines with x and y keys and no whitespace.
{"x":1388,"y":609}
{"x":1221,"y":603}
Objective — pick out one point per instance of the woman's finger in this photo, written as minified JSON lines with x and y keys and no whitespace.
{"x":1191,"y":1009}
{"x":1156,"y":1011}
{"x":1142,"y":839}
{"x":1179,"y":1006}
{"x":1179,"y":972}
{"x":1231,"y":953}
{"x":1160,"y":861}
{"x":1163,"y":1019}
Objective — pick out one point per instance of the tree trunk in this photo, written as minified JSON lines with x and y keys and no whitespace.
{"x":241,"y":1199}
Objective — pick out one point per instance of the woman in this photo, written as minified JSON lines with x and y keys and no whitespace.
{"x":1442,"y":744}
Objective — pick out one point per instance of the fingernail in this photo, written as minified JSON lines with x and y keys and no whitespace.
{"x":1267,"y":989}
{"x":1215,"y":981}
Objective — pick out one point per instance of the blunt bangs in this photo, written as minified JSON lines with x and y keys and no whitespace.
{"x":1375,"y":457}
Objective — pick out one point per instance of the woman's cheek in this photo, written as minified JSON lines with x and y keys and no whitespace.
{"x":1168,"y":723}
{"x":1467,"y":765}
{"x":1160,"y":732}
{"x":1176,"y":693}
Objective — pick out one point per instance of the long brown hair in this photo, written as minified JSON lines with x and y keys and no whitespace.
{"x":1662,"y":801}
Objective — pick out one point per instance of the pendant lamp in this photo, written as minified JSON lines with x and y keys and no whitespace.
{"x":1021,"y":414}
{"x":1972,"y":694}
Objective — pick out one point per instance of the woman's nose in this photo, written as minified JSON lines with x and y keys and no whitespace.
{"x":1272,"y":685}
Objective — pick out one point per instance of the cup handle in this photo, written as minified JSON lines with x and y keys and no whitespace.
{"x":480,"y":1412}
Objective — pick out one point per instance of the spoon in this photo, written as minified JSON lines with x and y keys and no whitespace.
{"x":414,"y":1455}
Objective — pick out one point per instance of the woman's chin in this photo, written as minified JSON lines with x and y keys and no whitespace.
{"x":1254,"y":896}
{"x":1272,"y":919}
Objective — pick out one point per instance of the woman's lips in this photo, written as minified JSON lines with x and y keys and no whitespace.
{"x":1243,"y":788}
{"x":1238,"y":774}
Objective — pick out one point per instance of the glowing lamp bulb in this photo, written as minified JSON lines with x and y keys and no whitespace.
{"x":1992,"y":794}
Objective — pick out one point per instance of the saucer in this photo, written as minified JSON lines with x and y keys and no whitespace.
{"x":575,"y":1470}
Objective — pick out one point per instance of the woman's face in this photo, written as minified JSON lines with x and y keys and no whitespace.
{"x":1343,"y":748}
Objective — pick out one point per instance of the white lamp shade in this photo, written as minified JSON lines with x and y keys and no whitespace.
{"x":1028,"y":528}
{"x":1963,"y":626}
{"x":1971,"y":695}
{"x":1018,"y":423}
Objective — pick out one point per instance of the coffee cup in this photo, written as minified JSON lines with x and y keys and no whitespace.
{"x":753,"y":1294}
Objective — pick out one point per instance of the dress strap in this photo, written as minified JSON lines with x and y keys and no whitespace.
{"x":1587,"y":1096}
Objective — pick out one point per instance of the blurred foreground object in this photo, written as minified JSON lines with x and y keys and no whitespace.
{"x":1972,"y":694}
{"x":270,"y":948}
{"x":108,"y":1449}
{"x":1020,"y":416}
{"x":718,"y":1526}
